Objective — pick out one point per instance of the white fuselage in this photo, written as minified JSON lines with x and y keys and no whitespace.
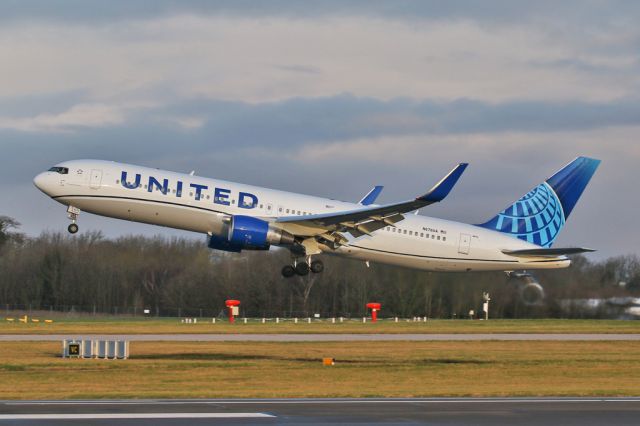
{"x":202,"y":205}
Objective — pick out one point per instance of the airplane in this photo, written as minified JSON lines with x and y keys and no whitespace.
{"x":240,"y":217}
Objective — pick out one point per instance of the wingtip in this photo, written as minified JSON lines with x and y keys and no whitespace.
{"x":444,"y":187}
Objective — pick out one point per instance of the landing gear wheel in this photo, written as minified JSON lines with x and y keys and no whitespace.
{"x":288,"y":271}
{"x":302,"y":268}
{"x":73,"y":228}
{"x":317,"y":266}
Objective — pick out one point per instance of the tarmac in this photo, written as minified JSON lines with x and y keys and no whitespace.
{"x":318,"y":337}
{"x":430,"y":411}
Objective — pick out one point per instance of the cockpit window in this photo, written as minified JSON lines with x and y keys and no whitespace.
{"x":61,"y":170}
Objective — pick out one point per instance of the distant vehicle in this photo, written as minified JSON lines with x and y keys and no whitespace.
{"x":243,"y":217}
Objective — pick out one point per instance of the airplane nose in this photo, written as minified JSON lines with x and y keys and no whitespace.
{"x":40,"y":182}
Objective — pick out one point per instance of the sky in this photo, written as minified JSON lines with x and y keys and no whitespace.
{"x":329,"y":98}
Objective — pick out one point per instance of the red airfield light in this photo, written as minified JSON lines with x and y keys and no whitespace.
{"x":375,"y":307}
{"x":233,"y":306}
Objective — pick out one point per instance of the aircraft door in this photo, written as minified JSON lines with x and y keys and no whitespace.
{"x":96,"y":179}
{"x":465,"y":243}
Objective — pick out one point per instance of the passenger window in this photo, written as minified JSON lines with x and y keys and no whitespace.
{"x":433,"y":237}
{"x":421,"y":234}
{"x":404,"y":232}
{"x":438,"y":237}
{"x":444,"y":238}
{"x":287,"y":210}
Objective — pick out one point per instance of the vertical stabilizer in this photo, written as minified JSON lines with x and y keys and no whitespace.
{"x":539,"y":216}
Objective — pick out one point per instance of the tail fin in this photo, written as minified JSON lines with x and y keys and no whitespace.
{"x":539,"y":216}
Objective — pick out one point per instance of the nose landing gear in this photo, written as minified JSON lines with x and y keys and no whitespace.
{"x":302,"y":268}
{"x":73,"y":213}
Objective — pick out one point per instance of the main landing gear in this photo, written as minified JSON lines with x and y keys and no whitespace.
{"x":73,"y":213}
{"x":302,"y":268}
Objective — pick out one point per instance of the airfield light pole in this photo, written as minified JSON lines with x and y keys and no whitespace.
{"x":485,"y":305}
{"x":375,"y":307}
{"x":234,"y":309}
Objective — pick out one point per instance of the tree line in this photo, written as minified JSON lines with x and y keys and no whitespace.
{"x":179,"y":276}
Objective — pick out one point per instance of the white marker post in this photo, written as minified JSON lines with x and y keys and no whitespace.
{"x":485,"y":305}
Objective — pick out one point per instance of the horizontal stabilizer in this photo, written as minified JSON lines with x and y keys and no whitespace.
{"x":547,"y":252}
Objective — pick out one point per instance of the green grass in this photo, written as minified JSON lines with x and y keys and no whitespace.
{"x":363,"y":369}
{"x":108,"y":325}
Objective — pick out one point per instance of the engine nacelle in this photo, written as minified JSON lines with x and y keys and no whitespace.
{"x":221,"y":243}
{"x":530,"y":291}
{"x":249,"y":233}
{"x":532,"y":294}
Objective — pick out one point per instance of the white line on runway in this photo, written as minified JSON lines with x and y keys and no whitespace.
{"x":99,"y":416}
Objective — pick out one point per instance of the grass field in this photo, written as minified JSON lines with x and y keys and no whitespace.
{"x":108,"y":325}
{"x":363,"y":369}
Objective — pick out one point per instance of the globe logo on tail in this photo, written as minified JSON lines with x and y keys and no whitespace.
{"x":537,"y":217}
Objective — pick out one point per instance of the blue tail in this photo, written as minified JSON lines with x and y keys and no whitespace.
{"x":539,"y":216}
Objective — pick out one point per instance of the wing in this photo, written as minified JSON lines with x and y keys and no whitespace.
{"x":371,"y":196}
{"x":363,"y":221}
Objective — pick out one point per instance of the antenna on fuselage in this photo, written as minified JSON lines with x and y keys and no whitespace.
{"x":192,"y":172}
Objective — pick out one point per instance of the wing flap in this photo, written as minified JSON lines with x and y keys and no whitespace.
{"x":331,"y":227}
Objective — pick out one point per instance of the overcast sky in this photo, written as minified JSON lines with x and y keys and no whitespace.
{"x":329,"y":98}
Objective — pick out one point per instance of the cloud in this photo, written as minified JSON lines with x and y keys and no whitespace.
{"x":244,"y":58}
{"x":299,"y":69}
{"x":78,"y":116}
{"x":302,"y":121}
{"x":491,"y":12}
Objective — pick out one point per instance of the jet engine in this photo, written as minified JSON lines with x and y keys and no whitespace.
{"x":249,"y":233}
{"x":529,"y":289}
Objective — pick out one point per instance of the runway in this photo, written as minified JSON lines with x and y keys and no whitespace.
{"x":318,"y":337}
{"x":431,"y":411}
